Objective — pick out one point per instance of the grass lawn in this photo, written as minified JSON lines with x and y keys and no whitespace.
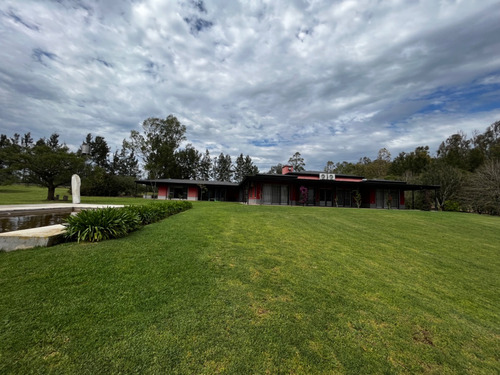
{"x":24,"y":194}
{"x":229,"y":288}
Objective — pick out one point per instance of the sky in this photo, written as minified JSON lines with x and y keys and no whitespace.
{"x":333,"y":80}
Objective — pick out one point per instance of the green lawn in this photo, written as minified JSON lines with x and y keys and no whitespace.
{"x":30,"y":194}
{"x":229,"y":288}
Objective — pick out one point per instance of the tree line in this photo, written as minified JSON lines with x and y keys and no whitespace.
{"x":49,"y":163}
{"x":467,"y":170}
{"x":159,"y":147}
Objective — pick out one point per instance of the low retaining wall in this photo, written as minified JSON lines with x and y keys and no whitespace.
{"x":42,"y":236}
{"x":34,"y":237}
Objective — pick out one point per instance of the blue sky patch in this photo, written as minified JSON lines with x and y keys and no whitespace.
{"x":264,"y":143}
{"x":18,"y":19}
{"x":197,"y":24}
{"x":39,"y":55}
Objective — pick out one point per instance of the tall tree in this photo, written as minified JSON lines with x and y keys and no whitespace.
{"x":223,"y":168}
{"x":124,"y":162}
{"x":411,"y":164}
{"x":188,"y":162}
{"x":205,"y":166}
{"x":455,"y":151}
{"x":244,"y":167}
{"x":27,"y":141}
{"x":488,"y":143}
{"x":9,"y":152}
{"x":297,"y":162}
{"x":99,"y":151}
{"x":450,"y":179}
{"x":50,"y":164}
{"x":482,"y":193}
{"x":344,"y":167}
{"x":157,"y":145}
{"x":276,"y":169}
{"x":329,"y":167}
{"x":379,"y":167}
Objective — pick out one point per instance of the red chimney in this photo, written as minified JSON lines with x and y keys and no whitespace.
{"x":286,"y":169}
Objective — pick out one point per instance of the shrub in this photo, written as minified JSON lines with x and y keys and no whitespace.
{"x":101,"y":224}
{"x":106,"y":223}
{"x":450,"y":205}
{"x":153,"y":212}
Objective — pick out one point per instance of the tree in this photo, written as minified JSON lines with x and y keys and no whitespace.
{"x":124,"y":163}
{"x":329,"y":167}
{"x":188,"y":162}
{"x":99,"y":151}
{"x":239,"y":170}
{"x":157,"y":145}
{"x":27,"y":141}
{"x":362,"y":168}
{"x":411,"y":164}
{"x":205,"y":166}
{"x":487,"y":144}
{"x":50,"y":164}
{"x":450,"y":179}
{"x":379,"y":168}
{"x":344,"y":168}
{"x":297,"y":162}
{"x":482,"y":193}
{"x":276,"y":169}
{"x":455,"y":151}
{"x":223,"y":168}
{"x":244,"y":167}
{"x":9,"y":152}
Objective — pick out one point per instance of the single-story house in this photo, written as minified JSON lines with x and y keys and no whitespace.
{"x":193,"y":190}
{"x":312,"y":188}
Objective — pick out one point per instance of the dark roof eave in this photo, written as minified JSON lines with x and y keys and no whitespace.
{"x":289,"y":177}
{"x":187,"y":182}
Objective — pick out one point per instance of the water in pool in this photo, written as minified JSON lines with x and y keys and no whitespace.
{"x":9,"y":223}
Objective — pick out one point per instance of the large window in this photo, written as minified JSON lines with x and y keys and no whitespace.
{"x":386,"y":197}
{"x":274,"y":194}
{"x":343,"y":198}
{"x":325,"y":197}
{"x":178,"y":192}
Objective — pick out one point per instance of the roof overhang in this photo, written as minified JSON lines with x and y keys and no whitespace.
{"x":174,"y":181}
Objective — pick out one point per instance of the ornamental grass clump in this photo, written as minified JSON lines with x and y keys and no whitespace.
{"x":107,"y":223}
{"x":101,"y":224}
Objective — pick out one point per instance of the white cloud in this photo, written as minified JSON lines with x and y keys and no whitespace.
{"x":333,"y":80}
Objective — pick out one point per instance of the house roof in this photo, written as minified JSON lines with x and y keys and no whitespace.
{"x":187,"y":182}
{"x":306,"y":177}
{"x":313,"y":177}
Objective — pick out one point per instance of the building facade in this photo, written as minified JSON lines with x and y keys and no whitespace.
{"x":193,"y":190}
{"x":308,"y":188}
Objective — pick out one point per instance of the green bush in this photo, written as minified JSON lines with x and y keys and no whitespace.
{"x":106,"y":223}
{"x":156,"y":211}
{"x":452,"y":206}
{"x":101,"y":224}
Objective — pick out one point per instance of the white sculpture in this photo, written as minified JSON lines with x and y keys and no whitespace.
{"x":75,"y":188}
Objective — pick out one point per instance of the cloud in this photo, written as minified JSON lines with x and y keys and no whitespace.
{"x":332,"y":80}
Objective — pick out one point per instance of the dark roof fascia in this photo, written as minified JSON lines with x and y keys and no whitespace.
{"x":400,"y":184}
{"x":294,"y":177}
{"x":364,"y":182}
{"x":317,"y":173}
{"x":268,"y":176}
{"x":187,"y":182}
